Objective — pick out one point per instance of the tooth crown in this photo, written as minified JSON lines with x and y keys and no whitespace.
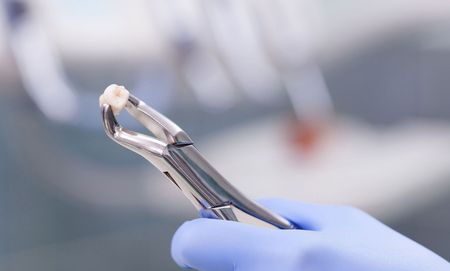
{"x":116,"y":96}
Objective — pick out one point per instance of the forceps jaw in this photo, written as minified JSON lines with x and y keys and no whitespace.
{"x":143,"y":145}
{"x":163,"y":128}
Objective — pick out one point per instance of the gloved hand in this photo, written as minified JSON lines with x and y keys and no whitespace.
{"x":333,"y":238}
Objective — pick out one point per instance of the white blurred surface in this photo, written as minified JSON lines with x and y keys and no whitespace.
{"x":111,"y":28}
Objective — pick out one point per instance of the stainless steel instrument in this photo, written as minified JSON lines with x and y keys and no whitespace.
{"x":173,"y":153}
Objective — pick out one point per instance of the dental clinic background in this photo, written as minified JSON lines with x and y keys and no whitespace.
{"x":334,"y":102}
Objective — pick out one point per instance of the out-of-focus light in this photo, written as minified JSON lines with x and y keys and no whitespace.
{"x":41,"y":73}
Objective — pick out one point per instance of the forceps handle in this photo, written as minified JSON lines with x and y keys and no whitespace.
{"x":209,"y":191}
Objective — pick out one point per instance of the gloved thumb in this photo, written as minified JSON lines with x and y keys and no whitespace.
{"x":211,"y":244}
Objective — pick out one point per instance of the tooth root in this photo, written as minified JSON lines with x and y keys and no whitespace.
{"x":116,"y":96}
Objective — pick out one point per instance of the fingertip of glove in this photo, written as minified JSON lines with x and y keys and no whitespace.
{"x":181,"y":241}
{"x":186,"y":239}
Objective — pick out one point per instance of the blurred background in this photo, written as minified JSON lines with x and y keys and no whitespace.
{"x":340,"y":102}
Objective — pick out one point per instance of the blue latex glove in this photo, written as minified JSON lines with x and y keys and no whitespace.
{"x":333,"y":238}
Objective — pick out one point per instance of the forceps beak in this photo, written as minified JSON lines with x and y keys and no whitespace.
{"x":164,"y":131}
{"x":160,"y":126}
{"x":137,"y":142}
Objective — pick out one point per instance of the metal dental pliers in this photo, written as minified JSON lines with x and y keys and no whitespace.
{"x":173,"y":153}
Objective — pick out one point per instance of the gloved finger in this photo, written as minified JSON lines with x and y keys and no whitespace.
{"x":209,"y":244}
{"x":306,"y":216}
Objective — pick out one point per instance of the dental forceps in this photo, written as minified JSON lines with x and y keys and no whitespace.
{"x":174,"y":154}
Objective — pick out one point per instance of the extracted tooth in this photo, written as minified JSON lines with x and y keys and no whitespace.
{"x":116,"y":96}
